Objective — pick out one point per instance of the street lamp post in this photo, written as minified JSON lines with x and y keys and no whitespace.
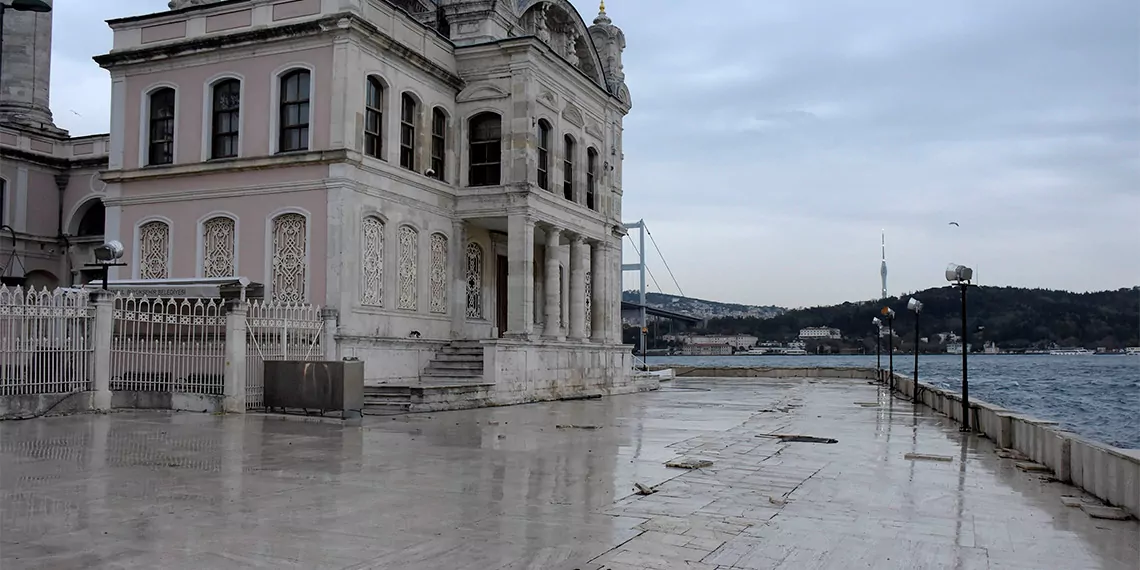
{"x":890,"y":314}
{"x":37,"y":6}
{"x":878,"y":350}
{"x":916,"y":306}
{"x":960,"y":276}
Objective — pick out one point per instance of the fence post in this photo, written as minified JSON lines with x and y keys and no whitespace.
{"x":330,"y":317}
{"x":236,"y":327}
{"x":102,"y":330}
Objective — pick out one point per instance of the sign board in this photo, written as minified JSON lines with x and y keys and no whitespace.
{"x":205,"y":288}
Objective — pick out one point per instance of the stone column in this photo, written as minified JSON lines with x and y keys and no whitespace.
{"x":458,"y":262}
{"x":598,"y":279}
{"x":103,"y":329}
{"x":331,"y":319}
{"x":233,"y":392}
{"x":577,"y":313}
{"x":615,"y":290}
{"x":520,"y":277}
{"x":553,"y":287}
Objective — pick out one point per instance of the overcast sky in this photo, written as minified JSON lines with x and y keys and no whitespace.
{"x":771,"y":141}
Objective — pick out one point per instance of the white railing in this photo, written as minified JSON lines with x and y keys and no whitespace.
{"x":168,"y":345}
{"x":278,"y":331}
{"x":45,"y":341}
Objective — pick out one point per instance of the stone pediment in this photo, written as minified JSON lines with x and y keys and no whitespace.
{"x":548,"y":99}
{"x":481,"y":92}
{"x":573,"y":115}
{"x":593,"y":128}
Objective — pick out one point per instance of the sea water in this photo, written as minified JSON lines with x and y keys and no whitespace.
{"x":1095,"y":396}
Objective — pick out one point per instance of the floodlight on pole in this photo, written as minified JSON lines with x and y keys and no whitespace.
{"x":916,"y":306}
{"x":890,"y":314}
{"x":960,"y":276}
{"x":878,"y":341}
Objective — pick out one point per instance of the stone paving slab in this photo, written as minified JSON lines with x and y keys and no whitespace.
{"x":505,"y":489}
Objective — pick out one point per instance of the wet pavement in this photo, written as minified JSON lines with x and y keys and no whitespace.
{"x":538,"y":487}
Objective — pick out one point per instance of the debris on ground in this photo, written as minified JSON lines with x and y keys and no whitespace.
{"x":927,"y":457}
{"x":643,"y":489}
{"x":574,"y":426}
{"x":1031,"y":467}
{"x":1011,"y":454}
{"x":786,"y":438}
{"x":688,"y":463}
{"x":1103,"y":512}
{"x":867,"y":404}
{"x":1071,"y":501}
{"x":777,"y":502}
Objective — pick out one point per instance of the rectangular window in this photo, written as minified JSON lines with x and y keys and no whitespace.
{"x":591,"y":175}
{"x":161,"y":148}
{"x":408,"y":132}
{"x":485,"y":150}
{"x":438,"y":143}
{"x":373,"y":119}
{"x":227,"y":119}
{"x":568,"y":170}
{"x":543,"y":155}
{"x":294,"y":112}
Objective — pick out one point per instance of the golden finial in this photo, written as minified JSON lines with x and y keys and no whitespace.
{"x":602,"y":7}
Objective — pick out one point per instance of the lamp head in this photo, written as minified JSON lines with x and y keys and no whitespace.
{"x":109,"y":251}
{"x":888,"y":312}
{"x":877,"y":322}
{"x":914,"y":305}
{"x":40,"y":6}
{"x":958,"y":273}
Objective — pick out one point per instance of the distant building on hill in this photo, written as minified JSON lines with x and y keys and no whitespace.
{"x":817,"y":333}
{"x":706,"y":350}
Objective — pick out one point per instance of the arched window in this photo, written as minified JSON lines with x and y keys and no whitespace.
{"x":543,"y":154}
{"x":408,"y":269}
{"x":154,"y":250}
{"x":226,"y":119}
{"x":407,"y":131}
{"x":568,"y":168}
{"x":474,"y":281}
{"x":289,"y":252}
{"x":93,"y":221}
{"x":438,"y":302}
{"x":486,"y":148}
{"x":218,"y":247}
{"x":294,"y":127}
{"x":374,"y":118}
{"x":591,"y":177}
{"x":438,"y":143}
{"x":161,"y":144}
{"x":372,"y":262}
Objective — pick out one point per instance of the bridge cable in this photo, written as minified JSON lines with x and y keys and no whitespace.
{"x":647,"y":269}
{"x":662,"y":256}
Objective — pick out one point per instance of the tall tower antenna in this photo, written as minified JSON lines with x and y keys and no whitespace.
{"x":883,"y":267}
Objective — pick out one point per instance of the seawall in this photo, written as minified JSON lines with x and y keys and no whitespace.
{"x":1109,"y":473}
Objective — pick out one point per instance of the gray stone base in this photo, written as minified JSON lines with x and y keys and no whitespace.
{"x":167,"y":401}
{"x":30,"y":405}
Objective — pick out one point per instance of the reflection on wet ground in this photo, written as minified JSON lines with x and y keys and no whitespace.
{"x":543,"y":486}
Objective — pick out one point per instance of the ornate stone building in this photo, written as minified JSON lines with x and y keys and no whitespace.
{"x":51,"y":213}
{"x":440,"y":172}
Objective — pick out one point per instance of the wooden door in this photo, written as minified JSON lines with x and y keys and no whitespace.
{"x":501,"y":283}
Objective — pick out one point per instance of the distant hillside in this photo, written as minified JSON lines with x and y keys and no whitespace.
{"x":1012,"y":317}
{"x":702,"y":308}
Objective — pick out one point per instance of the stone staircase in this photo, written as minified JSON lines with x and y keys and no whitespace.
{"x":386,"y":400}
{"x":459,"y":363}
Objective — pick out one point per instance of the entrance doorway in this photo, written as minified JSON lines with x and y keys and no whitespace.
{"x":501,"y":283}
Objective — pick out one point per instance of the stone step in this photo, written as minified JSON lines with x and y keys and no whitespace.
{"x":457,"y":357}
{"x":451,"y":382}
{"x":457,"y":365}
{"x":456,"y":373}
{"x":472,"y":353}
{"x":383,"y":390}
{"x":467,"y":344}
{"x":387,"y":409}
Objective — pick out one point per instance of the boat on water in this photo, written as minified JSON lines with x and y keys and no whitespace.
{"x":1071,"y":352}
{"x":1132,"y":351}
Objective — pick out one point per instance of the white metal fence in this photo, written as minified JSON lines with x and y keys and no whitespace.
{"x":45,"y":343}
{"x":278,"y":331}
{"x":168,"y":345}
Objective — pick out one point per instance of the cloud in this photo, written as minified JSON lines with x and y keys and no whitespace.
{"x":770,"y":142}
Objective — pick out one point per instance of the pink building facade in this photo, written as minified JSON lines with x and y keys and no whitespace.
{"x":437,"y":175}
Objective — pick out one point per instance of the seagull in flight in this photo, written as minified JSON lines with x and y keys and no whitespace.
{"x":955,"y":224}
